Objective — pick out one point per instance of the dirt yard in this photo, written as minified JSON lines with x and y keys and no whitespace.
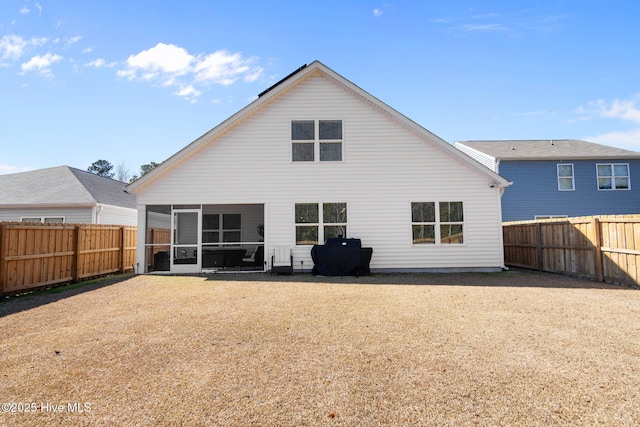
{"x":512,"y":348}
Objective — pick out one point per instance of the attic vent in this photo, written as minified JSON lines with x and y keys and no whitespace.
{"x":551,"y":142}
{"x":513,"y":148}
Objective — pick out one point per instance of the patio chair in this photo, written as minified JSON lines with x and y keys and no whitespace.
{"x":282,"y":260}
{"x":256,"y":259}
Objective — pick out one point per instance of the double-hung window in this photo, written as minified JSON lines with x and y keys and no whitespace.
{"x":423,"y":222}
{"x":451,"y":222}
{"x":317,"y":222}
{"x":565,"y":177}
{"x":441,"y":222}
{"x":613,"y":176}
{"x":316,"y":139}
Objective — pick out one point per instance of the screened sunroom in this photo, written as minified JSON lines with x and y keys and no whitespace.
{"x":201,"y":238}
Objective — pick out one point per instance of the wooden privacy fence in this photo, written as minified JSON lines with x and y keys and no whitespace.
{"x":602,"y":248}
{"x":34,"y":255}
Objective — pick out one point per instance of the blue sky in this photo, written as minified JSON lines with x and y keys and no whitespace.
{"x":134,"y":81}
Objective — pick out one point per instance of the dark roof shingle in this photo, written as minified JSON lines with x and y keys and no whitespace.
{"x":555,"y":149}
{"x":63,"y":186}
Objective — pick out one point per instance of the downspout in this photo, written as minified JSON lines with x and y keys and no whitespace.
{"x":98,"y":211}
{"x":496,"y":168}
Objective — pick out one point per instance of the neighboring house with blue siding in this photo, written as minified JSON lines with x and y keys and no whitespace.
{"x":561,"y":178}
{"x":64,"y":194}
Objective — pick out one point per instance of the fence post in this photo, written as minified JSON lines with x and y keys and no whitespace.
{"x":122,"y":249}
{"x":2,"y":255}
{"x":540,"y":264}
{"x":597,"y":249}
{"x":76,"y":252}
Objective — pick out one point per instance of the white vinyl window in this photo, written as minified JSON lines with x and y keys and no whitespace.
{"x":433,"y":223}
{"x":565,"y":177}
{"x":317,"y":222}
{"x":613,"y":176}
{"x":316,"y":139}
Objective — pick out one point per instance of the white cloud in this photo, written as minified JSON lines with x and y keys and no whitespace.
{"x":515,"y":24}
{"x":100,"y":63}
{"x":162,"y":60}
{"x":189,"y":93}
{"x":223,"y":68}
{"x":12,"y":47}
{"x":629,"y":139}
{"x":377,"y":12}
{"x":72,"y":40}
{"x":41,"y":64}
{"x":39,"y":7}
{"x":24,"y":11}
{"x":38,"y":41}
{"x":252,"y":77}
{"x":623,"y":109}
{"x":482,"y":28}
{"x":171,"y":65}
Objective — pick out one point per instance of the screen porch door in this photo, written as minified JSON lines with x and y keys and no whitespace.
{"x":186,"y":240}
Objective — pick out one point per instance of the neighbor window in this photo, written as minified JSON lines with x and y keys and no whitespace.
{"x":613,"y":176}
{"x":44,"y":219}
{"x":433,"y":223}
{"x":565,"y":177}
{"x":316,"y":139}
{"x":549,"y":216}
{"x":317,"y":222}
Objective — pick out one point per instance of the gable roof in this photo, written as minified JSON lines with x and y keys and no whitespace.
{"x":62,"y":186}
{"x":555,"y":149}
{"x":268,"y":96}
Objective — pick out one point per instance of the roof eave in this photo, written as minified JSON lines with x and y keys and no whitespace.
{"x":48,"y":205}
{"x":567,"y":158}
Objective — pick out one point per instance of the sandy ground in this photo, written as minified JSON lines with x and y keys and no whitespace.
{"x":511,"y":348}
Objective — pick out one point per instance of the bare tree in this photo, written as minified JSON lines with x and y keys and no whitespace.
{"x":122,"y":173}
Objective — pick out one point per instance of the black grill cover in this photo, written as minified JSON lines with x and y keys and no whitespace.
{"x":341,"y":257}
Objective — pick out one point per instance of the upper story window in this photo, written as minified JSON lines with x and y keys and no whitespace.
{"x":565,"y":177}
{"x":316,"y":139}
{"x":613,"y":176}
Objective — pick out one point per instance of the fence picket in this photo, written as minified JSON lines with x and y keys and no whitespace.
{"x":600,"y":247}
{"x":36,"y":255}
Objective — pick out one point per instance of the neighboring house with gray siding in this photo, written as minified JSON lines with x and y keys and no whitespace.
{"x":561,"y":178}
{"x":65,"y":195}
{"x":316,"y":157}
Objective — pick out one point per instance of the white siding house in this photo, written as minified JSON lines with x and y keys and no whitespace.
{"x":314,"y":157}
